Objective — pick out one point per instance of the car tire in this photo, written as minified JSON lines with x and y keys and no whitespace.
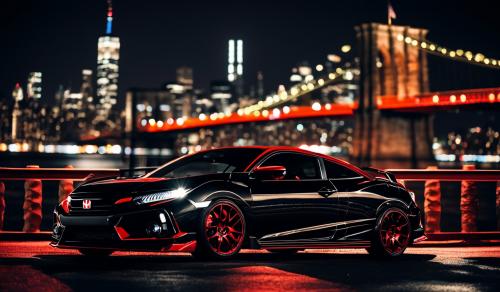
{"x":95,"y":252}
{"x":391,"y":235}
{"x":221,"y":230}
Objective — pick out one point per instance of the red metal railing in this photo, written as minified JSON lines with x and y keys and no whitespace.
{"x":446,"y":174}
{"x":7,"y":173}
{"x":65,"y":174}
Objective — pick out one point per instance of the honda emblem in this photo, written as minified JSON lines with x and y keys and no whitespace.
{"x":87,"y":204}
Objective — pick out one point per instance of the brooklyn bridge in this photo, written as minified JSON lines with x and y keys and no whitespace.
{"x":392,"y":112}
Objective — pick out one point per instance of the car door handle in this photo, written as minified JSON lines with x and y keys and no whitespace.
{"x":325,"y":192}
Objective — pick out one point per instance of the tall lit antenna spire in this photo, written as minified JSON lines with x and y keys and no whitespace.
{"x":108,"y":55}
{"x":109,"y":20}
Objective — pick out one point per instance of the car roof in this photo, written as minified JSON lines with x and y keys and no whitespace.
{"x":270,"y":149}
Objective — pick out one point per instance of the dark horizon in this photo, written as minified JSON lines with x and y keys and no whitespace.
{"x":60,"y":39}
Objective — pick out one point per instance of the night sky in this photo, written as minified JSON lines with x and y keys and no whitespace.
{"x":59,"y":38}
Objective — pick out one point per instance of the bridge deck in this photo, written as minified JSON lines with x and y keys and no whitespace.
{"x":428,"y":101}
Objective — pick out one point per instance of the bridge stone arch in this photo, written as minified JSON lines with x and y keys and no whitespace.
{"x":390,"y":67}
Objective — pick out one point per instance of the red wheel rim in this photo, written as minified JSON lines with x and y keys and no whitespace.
{"x":394,"y":232}
{"x":224,"y":228}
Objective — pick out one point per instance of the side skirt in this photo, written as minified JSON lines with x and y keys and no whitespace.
{"x":314,"y":245}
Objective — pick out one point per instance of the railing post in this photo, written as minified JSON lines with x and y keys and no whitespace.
{"x":2,"y":204}
{"x":65,"y":187}
{"x":432,"y":204}
{"x":32,"y":204}
{"x":469,"y":203}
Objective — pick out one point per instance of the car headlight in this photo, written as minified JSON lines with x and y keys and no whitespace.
{"x":160,"y":196}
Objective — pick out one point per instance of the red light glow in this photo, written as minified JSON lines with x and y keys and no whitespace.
{"x":292,"y":112}
{"x":65,"y":205}
{"x":123,"y":200}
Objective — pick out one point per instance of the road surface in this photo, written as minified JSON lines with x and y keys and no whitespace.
{"x":37,"y":267}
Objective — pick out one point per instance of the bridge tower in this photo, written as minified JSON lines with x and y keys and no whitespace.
{"x":390,"y":67}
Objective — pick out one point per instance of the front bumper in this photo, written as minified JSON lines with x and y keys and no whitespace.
{"x":417,"y":234}
{"x":149,"y":230}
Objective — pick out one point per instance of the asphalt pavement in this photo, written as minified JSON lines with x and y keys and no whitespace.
{"x":35,"y":266}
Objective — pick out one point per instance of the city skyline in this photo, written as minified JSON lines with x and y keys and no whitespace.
{"x":263,"y":49}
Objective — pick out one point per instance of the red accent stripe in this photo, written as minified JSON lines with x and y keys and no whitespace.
{"x":184,"y":247}
{"x":123,"y":200}
{"x":122,"y":233}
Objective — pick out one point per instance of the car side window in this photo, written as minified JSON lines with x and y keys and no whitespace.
{"x":298,"y":167}
{"x":335,"y":171}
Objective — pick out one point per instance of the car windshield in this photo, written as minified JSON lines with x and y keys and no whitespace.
{"x":209,"y":162}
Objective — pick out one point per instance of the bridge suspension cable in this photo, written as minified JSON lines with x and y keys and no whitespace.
{"x":294,"y":92}
{"x":457,"y":55}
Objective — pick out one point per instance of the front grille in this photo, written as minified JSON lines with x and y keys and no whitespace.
{"x":99,"y":204}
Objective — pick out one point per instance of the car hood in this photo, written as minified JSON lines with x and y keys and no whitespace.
{"x":127,"y":186}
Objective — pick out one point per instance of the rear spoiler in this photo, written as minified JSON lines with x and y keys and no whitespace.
{"x":380,"y":173}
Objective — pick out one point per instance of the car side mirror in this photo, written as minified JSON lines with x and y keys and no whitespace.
{"x":272,"y":172}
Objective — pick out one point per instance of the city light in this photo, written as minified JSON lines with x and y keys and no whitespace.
{"x":316,"y":106}
{"x":235,"y":60}
{"x":468,"y":56}
{"x":345,"y":48}
{"x":89,"y":149}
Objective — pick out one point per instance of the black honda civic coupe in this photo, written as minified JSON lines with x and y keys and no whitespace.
{"x":213,"y":203}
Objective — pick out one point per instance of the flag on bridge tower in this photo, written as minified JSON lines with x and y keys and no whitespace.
{"x":391,"y":14}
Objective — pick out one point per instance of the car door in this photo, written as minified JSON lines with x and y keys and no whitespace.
{"x":358,"y":219}
{"x":297,"y":207}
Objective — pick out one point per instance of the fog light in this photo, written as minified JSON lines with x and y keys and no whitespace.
{"x":154,"y":230}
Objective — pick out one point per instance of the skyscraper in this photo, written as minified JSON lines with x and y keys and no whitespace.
{"x":87,"y":94}
{"x":17,"y":95}
{"x":34,"y":86}
{"x":108,"y":54}
{"x":235,"y":65}
{"x":185,"y":77}
{"x":86,"y":88}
